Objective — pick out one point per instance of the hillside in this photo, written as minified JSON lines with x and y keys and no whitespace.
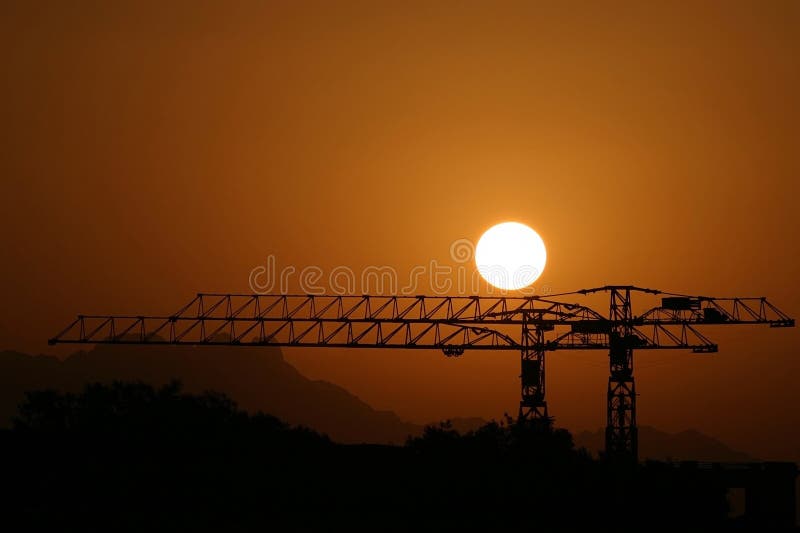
{"x":688,"y":445}
{"x":258,"y":379}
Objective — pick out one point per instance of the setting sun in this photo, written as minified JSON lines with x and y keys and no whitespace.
{"x":510,"y":256}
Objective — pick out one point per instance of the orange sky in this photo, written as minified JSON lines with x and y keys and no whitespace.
{"x":150,"y":152}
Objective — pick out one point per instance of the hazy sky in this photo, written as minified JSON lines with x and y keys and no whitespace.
{"x":153,"y":150}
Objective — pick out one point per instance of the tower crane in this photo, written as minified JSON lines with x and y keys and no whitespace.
{"x":531,"y":325}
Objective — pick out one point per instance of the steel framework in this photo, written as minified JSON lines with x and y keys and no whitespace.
{"x":452,"y":324}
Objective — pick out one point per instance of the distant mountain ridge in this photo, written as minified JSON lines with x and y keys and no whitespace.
{"x":259,"y":379}
{"x":688,"y":445}
{"x":256,"y":378}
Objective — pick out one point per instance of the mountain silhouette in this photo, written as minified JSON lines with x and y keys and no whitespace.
{"x":258,"y":379}
{"x":688,"y":445}
{"x":133,"y":457}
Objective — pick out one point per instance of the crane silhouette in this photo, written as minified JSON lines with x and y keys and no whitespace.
{"x":454,"y":324}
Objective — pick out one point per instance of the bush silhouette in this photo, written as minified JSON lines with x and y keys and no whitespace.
{"x":127,"y":456}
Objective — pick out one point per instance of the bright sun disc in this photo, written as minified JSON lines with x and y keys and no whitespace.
{"x":510,"y":256}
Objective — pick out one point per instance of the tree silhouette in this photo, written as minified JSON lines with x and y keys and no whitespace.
{"x":128,"y":456}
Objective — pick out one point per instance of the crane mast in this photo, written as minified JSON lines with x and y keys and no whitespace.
{"x":530,"y":325}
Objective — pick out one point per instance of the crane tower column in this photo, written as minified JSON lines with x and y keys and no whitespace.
{"x":621,"y":430}
{"x":532,"y":406}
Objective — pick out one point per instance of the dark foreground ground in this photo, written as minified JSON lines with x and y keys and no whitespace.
{"x":128,"y":457}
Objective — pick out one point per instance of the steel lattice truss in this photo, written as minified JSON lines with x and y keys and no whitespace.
{"x":422,"y":322}
{"x":450,"y":323}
